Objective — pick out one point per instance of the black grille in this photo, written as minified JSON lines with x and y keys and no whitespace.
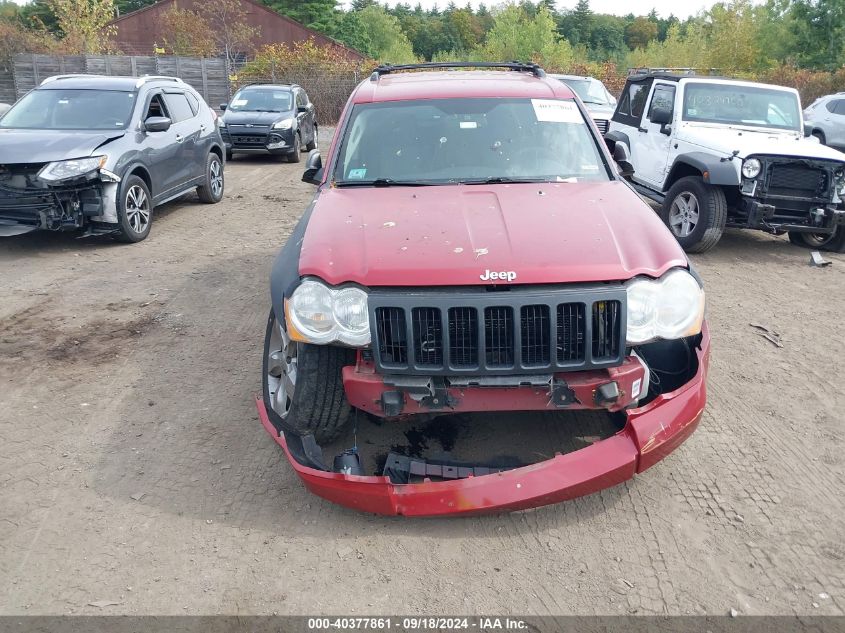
{"x":428,"y":337}
{"x":392,"y":336}
{"x":498,"y":336}
{"x":602,"y":125}
{"x":241,"y":139}
{"x":797,"y":180}
{"x":463,"y":337}
{"x":534,"y":332}
{"x":606,"y":322}
{"x":536,"y":341}
{"x":570,"y":332}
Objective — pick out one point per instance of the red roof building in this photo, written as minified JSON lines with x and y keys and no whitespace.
{"x":139,"y":32}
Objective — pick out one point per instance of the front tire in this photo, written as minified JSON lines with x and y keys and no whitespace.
{"x":135,"y":211}
{"x":303,"y":384}
{"x":211,"y":191}
{"x":834,"y":243}
{"x":297,"y":148}
{"x":313,"y":143}
{"x":696,"y":214}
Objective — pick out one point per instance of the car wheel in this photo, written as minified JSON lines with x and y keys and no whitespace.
{"x":820,"y":135}
{"x":135,"y":210}
{"x":297,"y":148}
{"x":696,"y":213}
{"x":212,"y":190}
{"x":303,"y":384}
{"x":834,"y":242}
{"x":313,"y":143}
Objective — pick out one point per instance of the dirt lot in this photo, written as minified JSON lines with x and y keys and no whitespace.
{"x":133,"y":468}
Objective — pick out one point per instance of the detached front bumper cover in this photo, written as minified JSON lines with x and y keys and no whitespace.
{"x":650,"y":434}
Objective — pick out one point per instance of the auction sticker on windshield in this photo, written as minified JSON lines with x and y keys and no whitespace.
{"x":554,"y":111}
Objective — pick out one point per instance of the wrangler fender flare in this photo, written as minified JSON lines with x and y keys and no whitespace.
{"x":713,"y":170}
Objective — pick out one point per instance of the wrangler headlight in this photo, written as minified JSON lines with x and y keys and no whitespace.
{"x":319,"y":314}
{"x":284,"y":124}
{"x":66,"y":169}
{"x":667,"y":308}
{"x":751,"y":168}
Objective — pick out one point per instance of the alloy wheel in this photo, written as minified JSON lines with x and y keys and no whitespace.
{"x":137,"y":209}
{"x":216,"y":177}
{"x":683,"y":216}
{"x":281,"y":370}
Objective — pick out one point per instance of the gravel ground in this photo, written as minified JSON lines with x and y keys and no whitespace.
{"x":134,"y":470}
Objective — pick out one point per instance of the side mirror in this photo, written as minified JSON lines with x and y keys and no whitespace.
{"x":808,"y":129}
{"x":157,"y":124}
{"x":223,"y":107}
{"x":661,"y":115}
{"x":622,"y":160}
{"x":313,"y":168}
{"x":301,"y":109}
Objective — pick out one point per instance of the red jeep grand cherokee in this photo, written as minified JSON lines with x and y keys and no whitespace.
{"x":472,"y":248}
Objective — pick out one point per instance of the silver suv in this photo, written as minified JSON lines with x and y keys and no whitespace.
{"x":826,"y":115}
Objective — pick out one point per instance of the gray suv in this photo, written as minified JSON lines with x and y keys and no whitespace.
{"x":826,"y":115}
{"x":100,"y":153}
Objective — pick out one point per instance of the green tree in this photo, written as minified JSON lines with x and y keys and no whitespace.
{"x":819,"y":32}
{"x":376,"y":33}
{"x":320,"y":15}
{"x":640,"y":32}
{"x":84,"y":24}
{"x":518,"y":35}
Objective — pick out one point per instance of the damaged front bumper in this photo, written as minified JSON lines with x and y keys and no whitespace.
{"x":65,"y":207}
{"x":649,"y":434}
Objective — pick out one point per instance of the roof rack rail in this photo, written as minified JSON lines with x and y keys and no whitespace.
{"x":643,"y":70}
{"x":145,"y":78}
{"x":68,"y":76}
{"x":386,"y":69}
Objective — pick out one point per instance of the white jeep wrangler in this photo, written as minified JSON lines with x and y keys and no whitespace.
{"x":717,"y":152}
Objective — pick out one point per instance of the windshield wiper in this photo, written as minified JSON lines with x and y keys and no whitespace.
{"x":501,"y":180}
{"x":381,"y":182}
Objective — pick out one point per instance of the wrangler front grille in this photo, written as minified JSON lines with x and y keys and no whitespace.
{"x":797,"y":181}
{"x":485,"y":333}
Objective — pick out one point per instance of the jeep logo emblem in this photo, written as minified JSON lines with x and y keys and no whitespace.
{"x":504,"y":275}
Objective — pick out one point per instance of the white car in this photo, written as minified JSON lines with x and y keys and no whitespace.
{"x":717,"y":152}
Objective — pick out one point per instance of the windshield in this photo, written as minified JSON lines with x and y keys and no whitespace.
{"x":741,"y":105}
{"x":443,"y":141}
{"x":261,"y":100}
{"x":590,"y":91}
{"x":71,"y":110}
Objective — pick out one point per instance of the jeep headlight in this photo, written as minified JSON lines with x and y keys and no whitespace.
{"x":74,"y":168}
{"x":839,"y":178}
{"x":751,"y":168}
{"x":671,"y":307}
{"x":284,"y":124}
{"x":321,"y":315}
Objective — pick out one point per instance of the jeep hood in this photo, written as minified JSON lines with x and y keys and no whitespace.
{"x":44,"y":146}
{"x":727,"y":140}
{"x":450,"y":235}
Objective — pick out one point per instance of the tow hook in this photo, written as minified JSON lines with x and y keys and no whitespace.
{"x":607,"y":394}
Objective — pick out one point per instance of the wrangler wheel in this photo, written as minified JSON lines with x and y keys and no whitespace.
{"x":833,"y":242}
{"x":696,"y":214}
{"x":303,"y":384}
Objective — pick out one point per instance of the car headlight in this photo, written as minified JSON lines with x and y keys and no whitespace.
{"x":671,"y":307}
{"x":285,"y":124}
{"x":839,"y":177}
{"x":319,"y":314}
{"x":221,"y":122}
{"x":74,"y":168}
{"x":751,"y":168}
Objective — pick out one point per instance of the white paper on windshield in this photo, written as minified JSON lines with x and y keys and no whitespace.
{"x":555,"y":111}
{"x":239,"y":102}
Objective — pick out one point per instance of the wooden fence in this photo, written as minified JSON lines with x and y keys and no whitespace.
{"x":26,"y":71}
